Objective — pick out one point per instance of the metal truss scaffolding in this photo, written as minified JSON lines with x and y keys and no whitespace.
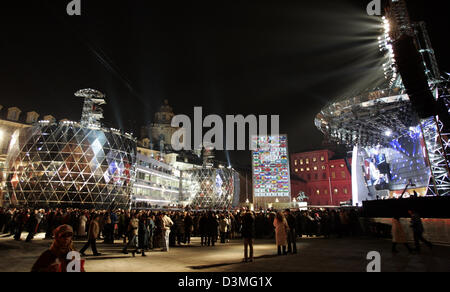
{"x":437,"y":146}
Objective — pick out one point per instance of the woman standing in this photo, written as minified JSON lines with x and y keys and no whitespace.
{"x":281,"y":232}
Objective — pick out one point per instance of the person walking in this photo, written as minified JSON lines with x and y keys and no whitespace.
{"x":133,"y":227}
{"x":417,"y":227}
{"x":248,"y":234}
{"x":94,"y":230}
{"x":281,"y":232}
{"x":398,"y":235}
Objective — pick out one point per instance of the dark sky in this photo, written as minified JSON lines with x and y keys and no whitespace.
{"x":288,"y":58}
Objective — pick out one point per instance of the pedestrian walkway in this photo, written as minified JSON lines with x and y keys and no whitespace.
{"x":314,"y":255}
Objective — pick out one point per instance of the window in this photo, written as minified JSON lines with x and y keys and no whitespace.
{"x":318,"y":192}
{"x":295,"y":162}
{"x":345,"y":191}
{"x":332,"y":166}
{"x":316,"y":176}
{"x":314,"y":159}
{"x":315,"y":168}
{"x":325,"y":192}
{"x":307,"y":160}
{"x":333,"y":174}
{"x":308,"y":169}
{"x":336,"y":191}
{"x":302,"y":169}
{"x":323,"y":167}
{"x":309,"y":176}
{"x":301,"y":161}
{"x":296,"y":170}
{"x":343,"y":174}
{"x":324,"y":175}
{"x":322,"y":158}
{"x":342,"y":166}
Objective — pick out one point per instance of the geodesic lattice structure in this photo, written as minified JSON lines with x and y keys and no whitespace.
{"x":66,"y":164}
{"x":210,"y":188}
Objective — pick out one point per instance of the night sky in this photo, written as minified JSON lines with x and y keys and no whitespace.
{"x":287,"y":58}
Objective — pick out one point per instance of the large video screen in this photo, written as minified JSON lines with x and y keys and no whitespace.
{"x":377,"y":170}
{"x":271,"y":166}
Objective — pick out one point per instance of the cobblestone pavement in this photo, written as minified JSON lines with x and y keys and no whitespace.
{"x":314,"y":255}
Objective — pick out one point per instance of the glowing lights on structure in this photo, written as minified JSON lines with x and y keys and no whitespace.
{"x":385,"y":45}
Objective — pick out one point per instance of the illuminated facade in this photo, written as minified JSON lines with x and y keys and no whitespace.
{"x":271,"y":174}
{"x":157,"y":183}
{"x":327,"y":181}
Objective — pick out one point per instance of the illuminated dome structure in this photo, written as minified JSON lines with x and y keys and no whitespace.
{"x":400,"y":146}
{"x":71,"y":164}
{"x":210,"y":188}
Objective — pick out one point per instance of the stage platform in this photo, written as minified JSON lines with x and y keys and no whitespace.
{"x":426,"y":207}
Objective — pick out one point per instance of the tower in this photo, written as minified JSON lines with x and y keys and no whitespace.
{"x":92,"y":112}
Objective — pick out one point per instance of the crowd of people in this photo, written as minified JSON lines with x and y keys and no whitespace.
{"x":148,"y":226}
{"x":143,"y":230}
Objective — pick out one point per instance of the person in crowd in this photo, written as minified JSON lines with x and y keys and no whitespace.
{"x":167,"y":223}
{"x":281,"y":232}
{"x":292,"y":236}
{"x":188,"y":228}
{"x":417,"y":227}
{"x":94,"y":230}
{"x":203,"y":229}
{"x":33,"y":224}
{"x":82,"y":225}
{"x":223,"y":228}
{"x":142,"y":233}
{"x":55,"y":258}
{"x":133,"y":227}
{"x":212,"y":228}
{"x":248,"y":234}
{"x":398,"y":235}
{"x":180,"y":228}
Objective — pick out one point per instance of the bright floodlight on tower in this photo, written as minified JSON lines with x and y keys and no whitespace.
{"x":92,"y":112}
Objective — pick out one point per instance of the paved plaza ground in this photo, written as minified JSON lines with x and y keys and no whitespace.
{"x":314,"y":255}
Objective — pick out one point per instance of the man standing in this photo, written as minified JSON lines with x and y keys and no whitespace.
{"x":248,"y":233}
{"x":94,"y":230}
{"x":166,"y":223}
{"x":292,"y":236}
{"x":417,"y":227}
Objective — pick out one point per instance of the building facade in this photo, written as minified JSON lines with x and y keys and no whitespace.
{"x":324,"y":181}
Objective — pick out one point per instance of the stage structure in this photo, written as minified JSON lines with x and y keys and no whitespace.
{"x":72,"y":164}
{"x":388,"y":126}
